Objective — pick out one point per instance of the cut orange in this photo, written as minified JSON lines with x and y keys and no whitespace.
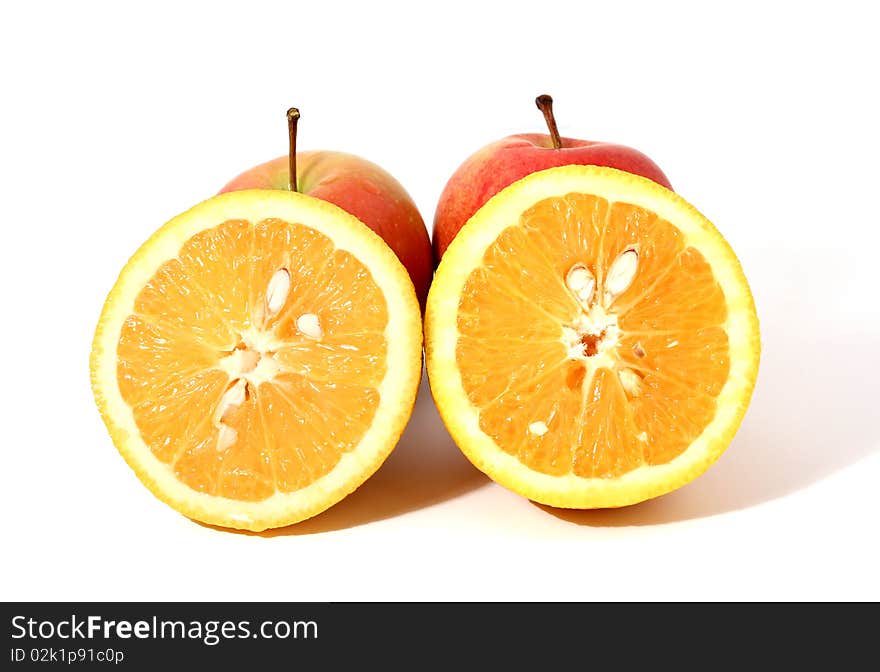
{"x":591,"y":339}
{"x":258,"y":358}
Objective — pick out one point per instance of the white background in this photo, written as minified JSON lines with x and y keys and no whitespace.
{"x":764,"y":116}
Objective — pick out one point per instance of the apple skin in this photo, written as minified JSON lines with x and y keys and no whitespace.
{"x":362,"y":189}
{"x":505,"y":161}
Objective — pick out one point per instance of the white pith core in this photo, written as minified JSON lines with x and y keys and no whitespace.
{"x":253,"y":360}
{"x":595,"y":324}
{"x":254,"y":363}
{"x":594,"y":336}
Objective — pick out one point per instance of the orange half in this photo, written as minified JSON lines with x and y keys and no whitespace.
{"x":591,"y":339}
{"x":258,"y":358}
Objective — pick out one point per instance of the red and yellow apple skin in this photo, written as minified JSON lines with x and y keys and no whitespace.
{"x":362,"y":189}
{"x":505,"y":161}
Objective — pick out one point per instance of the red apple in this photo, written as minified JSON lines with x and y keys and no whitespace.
{"x":359,"y":187}
{"x":505,"y":161}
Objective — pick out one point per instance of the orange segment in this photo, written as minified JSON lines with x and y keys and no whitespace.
{"x":699,"y":300}
{"x":174,"y":300}
{"x":589,"y":322}
{"x":698,"y":359}
{"x":607,"y":443}
{"x":248,"y":349}
{"x":564,"y":231}
{"x":542,"y":398}
{"x":217,"y":261}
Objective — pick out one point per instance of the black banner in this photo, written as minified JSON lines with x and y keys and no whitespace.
{"x":104,"y":636}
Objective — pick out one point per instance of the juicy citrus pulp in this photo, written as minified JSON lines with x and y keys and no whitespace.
{"x":591,"y":339}
{"x":258,"y":358}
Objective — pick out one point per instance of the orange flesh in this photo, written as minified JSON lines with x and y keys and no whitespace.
{"x":518,"y":370}
{"x":293,"y":426}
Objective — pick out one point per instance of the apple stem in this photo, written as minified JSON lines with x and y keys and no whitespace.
{"x":545,"y":104}
{"x":292,"y":118}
